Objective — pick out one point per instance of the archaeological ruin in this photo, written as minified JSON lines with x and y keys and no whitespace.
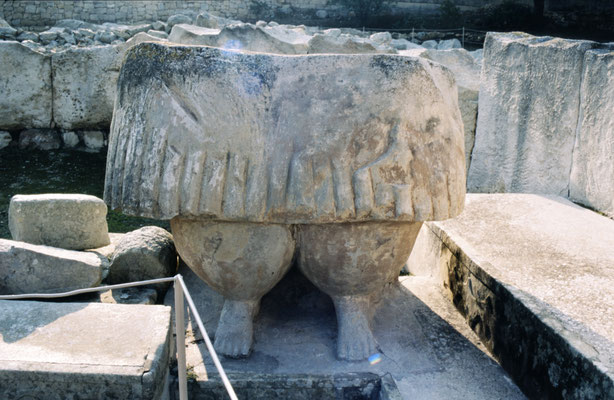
{"x":323,"y":199}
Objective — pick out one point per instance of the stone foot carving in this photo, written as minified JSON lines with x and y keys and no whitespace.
{"x":355,"y":341}
{"x":235,"y":333}
{"x":352,"y":263}
{"x":241,"y":261}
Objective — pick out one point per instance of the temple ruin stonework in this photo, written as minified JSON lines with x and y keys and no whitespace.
{"x":257,"y":157}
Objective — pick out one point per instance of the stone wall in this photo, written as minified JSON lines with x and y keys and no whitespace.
{"x":31,"y":13}
{"x":545,"y":123}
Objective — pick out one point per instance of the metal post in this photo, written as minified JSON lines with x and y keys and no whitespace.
{"x":180,"y":334}
{"x":463,"y":37}
{"x":201,"y":326}
{"x":412,"y":34}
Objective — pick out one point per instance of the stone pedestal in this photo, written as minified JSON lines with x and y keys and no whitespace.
{"x":250,"y":154}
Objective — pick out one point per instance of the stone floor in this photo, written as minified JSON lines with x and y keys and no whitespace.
{"x":425,"y":343}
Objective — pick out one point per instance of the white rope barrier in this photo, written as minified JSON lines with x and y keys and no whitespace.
{"x":180,"y":291}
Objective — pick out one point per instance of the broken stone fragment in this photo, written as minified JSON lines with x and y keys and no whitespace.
{"x":68,"y":221}
{"x":5,"y":139}
{"x":39,"y":139}
{"x":28,"y":268}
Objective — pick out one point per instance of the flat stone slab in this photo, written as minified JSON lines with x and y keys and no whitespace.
{"x":29,"y":268}
{"x":67,"y":221}
{"x":295,"y":337}
{"x":102,"y":351}
{"x":534,"y":276}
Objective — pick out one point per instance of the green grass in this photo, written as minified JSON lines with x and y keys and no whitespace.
{"x":59,"y":171}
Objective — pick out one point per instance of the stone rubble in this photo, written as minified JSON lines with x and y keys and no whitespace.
{"x":146,"y":253}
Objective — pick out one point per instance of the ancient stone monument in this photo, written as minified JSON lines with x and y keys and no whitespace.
{"x":255,"y":156}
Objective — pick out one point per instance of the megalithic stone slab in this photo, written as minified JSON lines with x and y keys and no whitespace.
{"x":527,"y":114}
{"x":25,"y":86}
{"x":67,"y":221}
{"x":234,"y":136}
{"x":87,"y":351}
{"x":28,"y":268}
{"x":591,"y":180}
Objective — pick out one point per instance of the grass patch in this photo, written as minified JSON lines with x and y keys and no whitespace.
{"x":58,"y":171}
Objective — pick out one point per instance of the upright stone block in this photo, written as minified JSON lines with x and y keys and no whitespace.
{"x":591,"y":181}
{"x":68,"y":221}
{"x":527,"y":114}
{"x":25,"y":86}
{"x":84,"y":81}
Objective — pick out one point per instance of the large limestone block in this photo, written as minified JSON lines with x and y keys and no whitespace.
{"x":28,"y":268}
{"x":68,"y":221}
{"x":591,"y":180}
{"x":527,"y":114}
{"x":25,"y":86}
{"x":253,"y":137}
{"x":84,"y":83}
{"x":84,"y":80}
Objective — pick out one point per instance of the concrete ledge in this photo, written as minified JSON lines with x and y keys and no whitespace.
{"x":86,"y":351}
{"x":534,"y":277}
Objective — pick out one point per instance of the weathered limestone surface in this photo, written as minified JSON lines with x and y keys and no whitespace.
{"x":80,"y":350}
{"x":242,"y":261}
{"x":146,"y":253}
{"x":67,"y":221}
{"x":528,"y":113}
{"x":591,"y":180}
{"x":342,"y":44}
{"x":534,"y":277}
{"x":467,"y":74}
{"x":353,"y":263}
{"x":254,"y":137}
{"x":84,"y":83}
{"x":25,"y":87}
{"x":28,"y":268}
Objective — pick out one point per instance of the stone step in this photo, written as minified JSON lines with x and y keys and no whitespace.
{"x":426,"y":349}
{"x":534,"y":277}
{"x":87,"y":351}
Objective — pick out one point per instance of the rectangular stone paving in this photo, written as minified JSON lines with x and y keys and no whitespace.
{"x":80,"y":350}
{"x":534,"y":277}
